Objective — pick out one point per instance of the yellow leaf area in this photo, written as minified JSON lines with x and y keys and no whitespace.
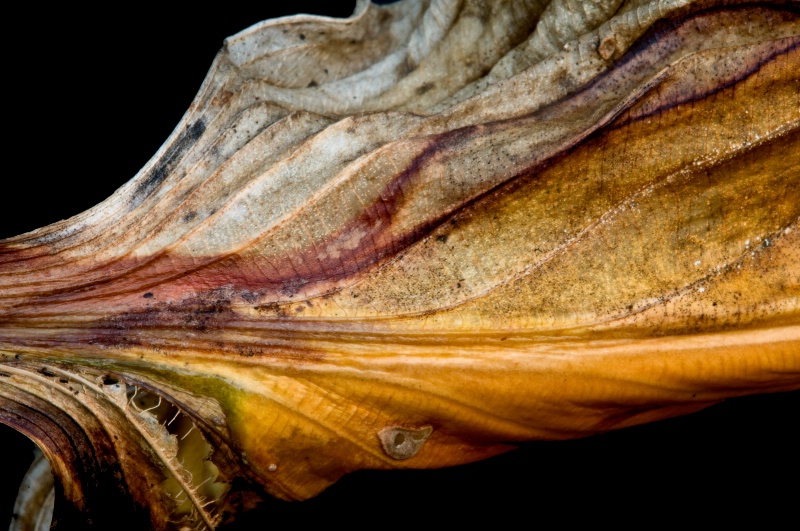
{"x":649,"y":271}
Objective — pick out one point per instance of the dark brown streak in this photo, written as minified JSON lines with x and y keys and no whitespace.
{"x":789,"y":45}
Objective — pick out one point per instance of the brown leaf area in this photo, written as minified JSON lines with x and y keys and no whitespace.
{"x":425,"y":252}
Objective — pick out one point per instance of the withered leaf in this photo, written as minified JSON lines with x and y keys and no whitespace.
{"x":502,"y":243}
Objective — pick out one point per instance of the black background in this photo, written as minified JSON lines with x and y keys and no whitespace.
{"x":90,"y":95}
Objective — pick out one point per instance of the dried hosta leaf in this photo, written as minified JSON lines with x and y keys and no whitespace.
{"x":33,"y":508}
{"x":409,"y":238}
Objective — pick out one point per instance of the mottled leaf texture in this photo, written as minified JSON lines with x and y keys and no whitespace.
{"x":411,"y":238}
